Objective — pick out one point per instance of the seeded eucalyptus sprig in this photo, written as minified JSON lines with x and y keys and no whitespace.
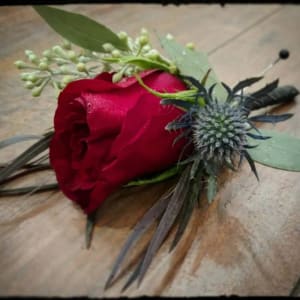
{"x":138,"y":56}
{"x":58,"y":66}
{"x":63,"y":63}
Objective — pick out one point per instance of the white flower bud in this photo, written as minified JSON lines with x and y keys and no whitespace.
{"x":129,"y":71}
{"x":108,"y":47}
{"x":66,"y":45}
{"x":24,"y":76}
{"x":67,"y":79}
{"x":81,"y":67}
{"x":143,"y":40}
{"x":28,"y":52}
{"x":44,"y":60}
{"x":116,"y":53}
{"x":144,"y":31}
{"x":20,"y":64}
{"x":47,"y":53}
{"x":32,"y":77}
{"x":43,"y":66}
{"x":153,"y":54}
{"x":123,"y":35}
{"x":33,"y":58}
{"x":146,"y":48}
{"x":83,"y":59}
{"x":29,"y":85}
{"x":117,"y":77}
{"x":72,"y":55}
{"x":190,"y":46}
{"x":64,"y":69}
{"x":37,"y":91}
{"x":62,"y":85}
{"x":58,"y":50}
{"x":173,"y":69}
{"x":169,"y":37}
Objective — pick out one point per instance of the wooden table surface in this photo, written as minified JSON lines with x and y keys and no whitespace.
{"x":246,"y":243}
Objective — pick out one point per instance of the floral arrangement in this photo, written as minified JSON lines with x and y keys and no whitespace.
{"x":127,"y":115}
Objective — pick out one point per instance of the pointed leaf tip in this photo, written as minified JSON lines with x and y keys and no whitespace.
{"x":79,"y":29}
{"x":90,"y":224}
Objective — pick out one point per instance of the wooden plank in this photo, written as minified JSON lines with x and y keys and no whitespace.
{"x":245,"y":243}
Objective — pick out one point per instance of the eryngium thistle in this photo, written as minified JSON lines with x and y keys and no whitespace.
{"x":219,"y":132}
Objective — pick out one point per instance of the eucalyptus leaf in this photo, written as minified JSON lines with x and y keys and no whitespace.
{"x":193,"y":63}
{"x":79,"y":29}
{"x":281,"y":151}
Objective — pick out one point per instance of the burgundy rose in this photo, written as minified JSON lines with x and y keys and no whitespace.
{"x":107,"y":134}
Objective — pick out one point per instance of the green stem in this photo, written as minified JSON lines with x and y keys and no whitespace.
{"x":187,"y":95}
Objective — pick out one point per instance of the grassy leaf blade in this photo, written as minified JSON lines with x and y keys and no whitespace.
{"x":187,"y":209}
{"x":28,"y":190}
{"x":18,"y":139}
{"x":166,"y":221}
{"x":151,"y":215}
{"x":26,"y":156}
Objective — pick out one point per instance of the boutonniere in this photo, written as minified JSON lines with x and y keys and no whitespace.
{"x":127,"y":115}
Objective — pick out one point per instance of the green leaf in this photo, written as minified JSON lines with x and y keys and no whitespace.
{"x":79,"y":29}
{"x":156,"y":178}
{"x":281,"y":151}
{"x":193,"y":63}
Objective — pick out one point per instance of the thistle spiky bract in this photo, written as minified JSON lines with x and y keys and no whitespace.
{"x":220,"y":131}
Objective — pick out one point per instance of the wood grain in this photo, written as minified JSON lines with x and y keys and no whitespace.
{"x":246,"y":243}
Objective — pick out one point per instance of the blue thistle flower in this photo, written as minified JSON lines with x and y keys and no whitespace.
{"x":220,"y":131}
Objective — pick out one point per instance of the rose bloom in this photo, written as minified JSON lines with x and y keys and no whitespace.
{"x":107,"y":134}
